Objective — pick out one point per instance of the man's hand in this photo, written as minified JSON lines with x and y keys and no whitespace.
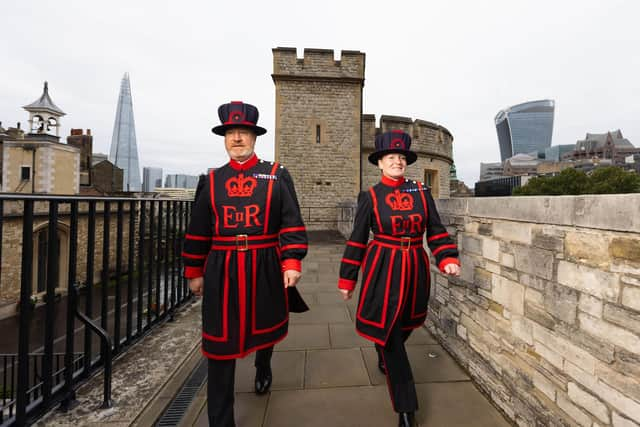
{"x":197,"y":285}
{"x":346,"y":294}
{"x":452,"y":269}
{"x":291,"y":278}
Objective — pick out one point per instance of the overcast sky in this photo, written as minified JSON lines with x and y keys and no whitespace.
{"x":455,"y":63}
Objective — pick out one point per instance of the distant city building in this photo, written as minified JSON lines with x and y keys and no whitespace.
{"x":491,"y":170}
{"x":555,"y":153}
{"x":98,"y":157}
{"x":151,"y":179}
{"x":525,"y":128}
{"x":124,"y":147}
{"x":604,"y":146}
{"x":84,"y":143}
{"x":180,"y":181}
{"x":521,"y":164}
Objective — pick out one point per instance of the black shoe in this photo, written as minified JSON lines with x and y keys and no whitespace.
{"x":382,"y":367}
{"x":406,"y":419}
{"x":263,"y":380}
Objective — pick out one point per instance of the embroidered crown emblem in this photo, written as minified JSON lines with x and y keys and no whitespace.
{"x":399,"y":201}
{"x":241,"y":186}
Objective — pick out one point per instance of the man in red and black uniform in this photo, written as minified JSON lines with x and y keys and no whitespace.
{"x":243,"y":249}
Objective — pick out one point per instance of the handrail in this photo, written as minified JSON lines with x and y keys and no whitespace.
{"x":106,"y":347}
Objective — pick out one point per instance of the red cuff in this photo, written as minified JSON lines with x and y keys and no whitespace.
{"x":346,"y":284}
{"x":447,"y":261}
{"x":291,"y":264}
{"x":193,"y":272}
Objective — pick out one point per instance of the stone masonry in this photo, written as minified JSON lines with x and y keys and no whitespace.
{"x":546,"y":314}
{"x":317,"y":137}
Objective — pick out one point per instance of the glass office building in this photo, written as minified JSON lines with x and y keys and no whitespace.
{"x":525,"y":128}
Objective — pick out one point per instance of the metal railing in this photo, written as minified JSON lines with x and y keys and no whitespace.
{"x":326,"y":214}
{"x":121,"y":261}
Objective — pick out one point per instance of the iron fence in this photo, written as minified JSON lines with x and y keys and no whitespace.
{"x":121,"y":295}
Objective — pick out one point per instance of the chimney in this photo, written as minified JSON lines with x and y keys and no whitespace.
{"x":76,"y":131}
{"x":18,"y":125}
{"x":89,"y":132}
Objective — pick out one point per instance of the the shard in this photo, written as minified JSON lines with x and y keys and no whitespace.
{"x":124,"y":148}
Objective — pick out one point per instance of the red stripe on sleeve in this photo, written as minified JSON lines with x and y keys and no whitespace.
{"x":437,"y":236}
{"x":356,"y":244}
{"x":292,"y":229}
{"x":350,"y":261}
{"x":442,"y":248}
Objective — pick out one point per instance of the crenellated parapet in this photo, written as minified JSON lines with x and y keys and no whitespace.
{"x":318,"y":64}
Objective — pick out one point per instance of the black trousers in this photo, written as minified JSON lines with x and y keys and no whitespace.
{"x":220,"y":385}
{"x":402,"y":388}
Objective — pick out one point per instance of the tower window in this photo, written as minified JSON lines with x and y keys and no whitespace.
{"x":317,"y":134}
{"x":25,"y":173}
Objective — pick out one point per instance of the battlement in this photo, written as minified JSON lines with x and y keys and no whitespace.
{"x":318,"y":64}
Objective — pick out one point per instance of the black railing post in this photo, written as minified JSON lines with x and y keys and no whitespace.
{"x":158,"y":260}
{"x":88,"y":302}
{"x":26,"y":310}
{"x":70,"y":398}
{"x":183,"y":291}
{"x":152,"y":205}
{"x":118,"y":300}
{"x":141,"y":269}
{"x":167,"y":235}
{"x":50,"y":306}
{"x":130,"y":268}
{"x":105,"y":272}
{"x":174,"y":290}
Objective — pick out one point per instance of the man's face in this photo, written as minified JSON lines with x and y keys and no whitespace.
{"x":239,"y":143}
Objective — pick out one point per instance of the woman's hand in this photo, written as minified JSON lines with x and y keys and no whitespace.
{"x":452,"y":269}
{"x":197,"y":285}
{"x":291,"y":278}
{"x":346,"y":294}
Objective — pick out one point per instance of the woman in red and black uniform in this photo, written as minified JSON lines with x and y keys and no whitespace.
{"x":395,"y":281}
{"x":243,"y":248}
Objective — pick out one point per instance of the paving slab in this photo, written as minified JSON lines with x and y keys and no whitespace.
{"x":457,"y":404}
{"x":287,"y":368}
{"x":249,"y":411}
{"x":335,"y":368}
{"x":320,"y":314}
{"x":301,"y":337}
{"x":334,"y":407}
{"x":343,"y":335}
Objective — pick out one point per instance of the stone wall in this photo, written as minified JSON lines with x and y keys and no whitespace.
{"x":546,"y":314}
{"x":318,"y":133}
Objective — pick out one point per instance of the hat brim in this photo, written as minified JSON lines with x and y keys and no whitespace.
{"x":222,"y":129}
{"x":376,"y":155}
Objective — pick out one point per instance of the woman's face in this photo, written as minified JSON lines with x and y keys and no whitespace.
{"x":393,"y":165}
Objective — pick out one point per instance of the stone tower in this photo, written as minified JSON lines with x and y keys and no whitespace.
{"x":318,"y":126}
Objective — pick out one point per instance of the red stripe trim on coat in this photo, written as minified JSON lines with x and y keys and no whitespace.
{"x":294,"y":246}
{"x":213,"y":201}
{"x":244,"y":353}
{"x":291,"y":264}
{"x":437,"y":236}
{"x":447,"y":261}
{"x":442,"y":248}
{"x":252,"y":237}
{"x":346,"y":284}
{"x":415,"y":315}
{"x":350,"y":261}
{"x":267,"y":212}
{"x":191,"y":256}
{"x":242,"y":297}
{"x":199,"y":238}
{"x":370,"y":338}
{"x":254,"y":329}
{"x":292,"y":229}
{"x":375,"y":208}
{"x":225,"y":308}
{"x":356,"y":244}
{"x":394,"y":246}
{"x":385,"y":305}
{"x":398,"y":239}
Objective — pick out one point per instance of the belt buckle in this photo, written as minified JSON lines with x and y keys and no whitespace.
{"x":405,"y":243}
{"x":242,"y":242}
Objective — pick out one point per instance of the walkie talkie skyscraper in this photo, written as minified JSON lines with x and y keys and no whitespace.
{"x":124,"y":148}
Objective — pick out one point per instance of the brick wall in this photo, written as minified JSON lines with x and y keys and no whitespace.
{"x":546,"y":315}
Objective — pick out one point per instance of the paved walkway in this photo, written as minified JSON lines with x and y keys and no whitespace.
{"x":326,"y":375}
